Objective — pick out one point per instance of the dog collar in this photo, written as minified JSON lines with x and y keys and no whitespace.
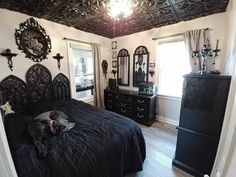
{"x":52,"y":128}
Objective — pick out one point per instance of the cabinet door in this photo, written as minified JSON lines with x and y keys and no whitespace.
{"x":203,"y":105}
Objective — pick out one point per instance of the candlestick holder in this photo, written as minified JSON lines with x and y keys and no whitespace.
{"x":204,"y":55}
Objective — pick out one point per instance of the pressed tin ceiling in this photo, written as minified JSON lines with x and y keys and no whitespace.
{"x":91,"y":15}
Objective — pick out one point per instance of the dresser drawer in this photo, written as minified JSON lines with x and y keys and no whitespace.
{"x":124,"y":98}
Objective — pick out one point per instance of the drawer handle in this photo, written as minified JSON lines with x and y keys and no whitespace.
{"x":123,"y":104}
{"x":110,"y":101}
{"x":140,"y":116}
{"x":140,"y":109}
{"x":140,"y":101}
{"x":123,"y":110}
{"x":109,"y":94}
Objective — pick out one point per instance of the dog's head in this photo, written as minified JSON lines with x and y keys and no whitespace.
{"x":60,"y":122}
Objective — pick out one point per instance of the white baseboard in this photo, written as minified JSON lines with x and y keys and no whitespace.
{"x":167,"y":120}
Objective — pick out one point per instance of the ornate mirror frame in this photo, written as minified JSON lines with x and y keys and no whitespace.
{"x":123,"y":53}
{"x":140,"y":65}
{"x":32,"y":39}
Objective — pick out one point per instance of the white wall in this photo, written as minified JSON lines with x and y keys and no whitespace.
{"x":227,"y":146}
{"x":130,"y":42}
{"x":9,"y":21}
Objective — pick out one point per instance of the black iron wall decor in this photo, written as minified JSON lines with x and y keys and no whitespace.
{"x":32,"y":39}
{"x":58,"y":57}
{"x":104,"y":67}
{"x":140,"y":65}
{"x":7,"y":53}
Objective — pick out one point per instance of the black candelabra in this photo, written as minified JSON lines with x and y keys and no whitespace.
{"x":206,"y":53}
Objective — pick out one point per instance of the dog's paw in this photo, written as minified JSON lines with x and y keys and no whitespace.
{"x":42,"y":153}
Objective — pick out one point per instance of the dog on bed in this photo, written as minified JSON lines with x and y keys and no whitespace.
{"x":46,"y":125}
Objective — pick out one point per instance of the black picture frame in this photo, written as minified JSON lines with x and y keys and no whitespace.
{"x":114,"y":64}
{"x":140,"y":65}
{"x":32,"y":39}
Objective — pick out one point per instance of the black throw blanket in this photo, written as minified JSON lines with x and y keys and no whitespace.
{"x":102,"y":143}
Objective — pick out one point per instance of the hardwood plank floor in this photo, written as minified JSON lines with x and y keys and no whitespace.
{"x":160,"y":149}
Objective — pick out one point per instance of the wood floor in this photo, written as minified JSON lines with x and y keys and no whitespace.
{"x":160,"y":149}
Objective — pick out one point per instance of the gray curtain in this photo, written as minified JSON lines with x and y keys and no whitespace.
{"x":194,"y":40}
{"x":98,"y":77}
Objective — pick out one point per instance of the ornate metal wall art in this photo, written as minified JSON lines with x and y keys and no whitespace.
{"x":140,"y":65}
{"x":7,"y":53}
{"x":32,"y":39}
{"x":61,"y":87}
{"x":87,"y":14}
{"x":104,"y":67}
{"x":39,"y":82}
{"x":14,"y":90}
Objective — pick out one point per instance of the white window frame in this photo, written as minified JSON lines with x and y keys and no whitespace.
{"x":176,"y":38}
{"x":79,"y":45}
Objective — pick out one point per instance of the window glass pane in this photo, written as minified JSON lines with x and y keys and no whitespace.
{"x":174,"y":64}
{"x":84,"y":77}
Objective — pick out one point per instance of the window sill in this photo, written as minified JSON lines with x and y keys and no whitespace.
{"x":167,"y":97}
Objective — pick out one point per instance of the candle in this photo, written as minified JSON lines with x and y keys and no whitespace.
{"x":217,"y":43}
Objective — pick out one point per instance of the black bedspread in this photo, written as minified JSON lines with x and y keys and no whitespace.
{"x":102,"y":144}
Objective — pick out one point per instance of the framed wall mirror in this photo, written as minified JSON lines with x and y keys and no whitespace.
{"x":123,"y":62}
{"x":140,"y":65}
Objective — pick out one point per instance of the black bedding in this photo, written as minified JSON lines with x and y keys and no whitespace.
{"x":102,"y":143}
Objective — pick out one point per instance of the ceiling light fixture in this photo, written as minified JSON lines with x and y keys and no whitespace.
{"x":118,"y":8}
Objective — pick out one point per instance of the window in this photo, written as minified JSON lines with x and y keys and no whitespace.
{"x":81,"y":71}
{"x":174,"y":63}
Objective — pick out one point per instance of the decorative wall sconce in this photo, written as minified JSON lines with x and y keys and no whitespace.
{"x":114,"y":72}
{"x":58,"y":57}
{"x":104,"y":67}
{"x":206,"y":53}
{"x":152,"y":69}
{"x":7,"y":53}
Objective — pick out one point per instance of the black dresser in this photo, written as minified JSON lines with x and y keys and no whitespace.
{"x":140,"y":108}
{"x":201,"y":117}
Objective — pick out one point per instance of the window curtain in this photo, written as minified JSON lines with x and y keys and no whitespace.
{"x":194,"y":40}
{"x":98,"y":76}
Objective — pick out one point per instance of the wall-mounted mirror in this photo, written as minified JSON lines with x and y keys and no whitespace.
{"x":123,"y":67}
{"x":140,"y":65}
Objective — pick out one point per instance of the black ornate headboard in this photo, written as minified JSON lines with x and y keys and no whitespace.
{"x":39,"y":87}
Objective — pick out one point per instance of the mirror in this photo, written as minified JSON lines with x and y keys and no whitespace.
{"x":140,"y":65}
{"x":123,"y":67}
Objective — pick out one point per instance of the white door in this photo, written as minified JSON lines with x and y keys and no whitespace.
{"x":81,"y":66}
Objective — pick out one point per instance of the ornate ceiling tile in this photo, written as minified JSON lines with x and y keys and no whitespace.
{"x":91,"y":15}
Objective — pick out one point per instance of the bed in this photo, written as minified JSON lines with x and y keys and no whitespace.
{"x":102,"y":143}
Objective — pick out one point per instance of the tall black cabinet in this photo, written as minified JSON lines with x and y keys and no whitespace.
{"x":201,"y":117}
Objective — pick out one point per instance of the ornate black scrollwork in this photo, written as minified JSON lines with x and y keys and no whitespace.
{"x":32,"y":39}
{"x":13,"y":89}
{"x":39,"y":82}
{"x":61,"y":87}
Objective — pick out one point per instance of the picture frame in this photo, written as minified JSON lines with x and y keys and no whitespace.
{"x":114,"y":54}
{"x":32,"y":39}
{"x":114,"y":64}
{"x":114,"y":45}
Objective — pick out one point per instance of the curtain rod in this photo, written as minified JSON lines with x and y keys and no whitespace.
{"x":173,"y":35}
{"x":75,"y":40}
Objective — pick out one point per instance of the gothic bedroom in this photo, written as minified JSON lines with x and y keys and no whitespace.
{"x":117,"y":88}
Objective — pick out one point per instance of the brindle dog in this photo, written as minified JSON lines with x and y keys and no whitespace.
{"x":46,"y":125}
